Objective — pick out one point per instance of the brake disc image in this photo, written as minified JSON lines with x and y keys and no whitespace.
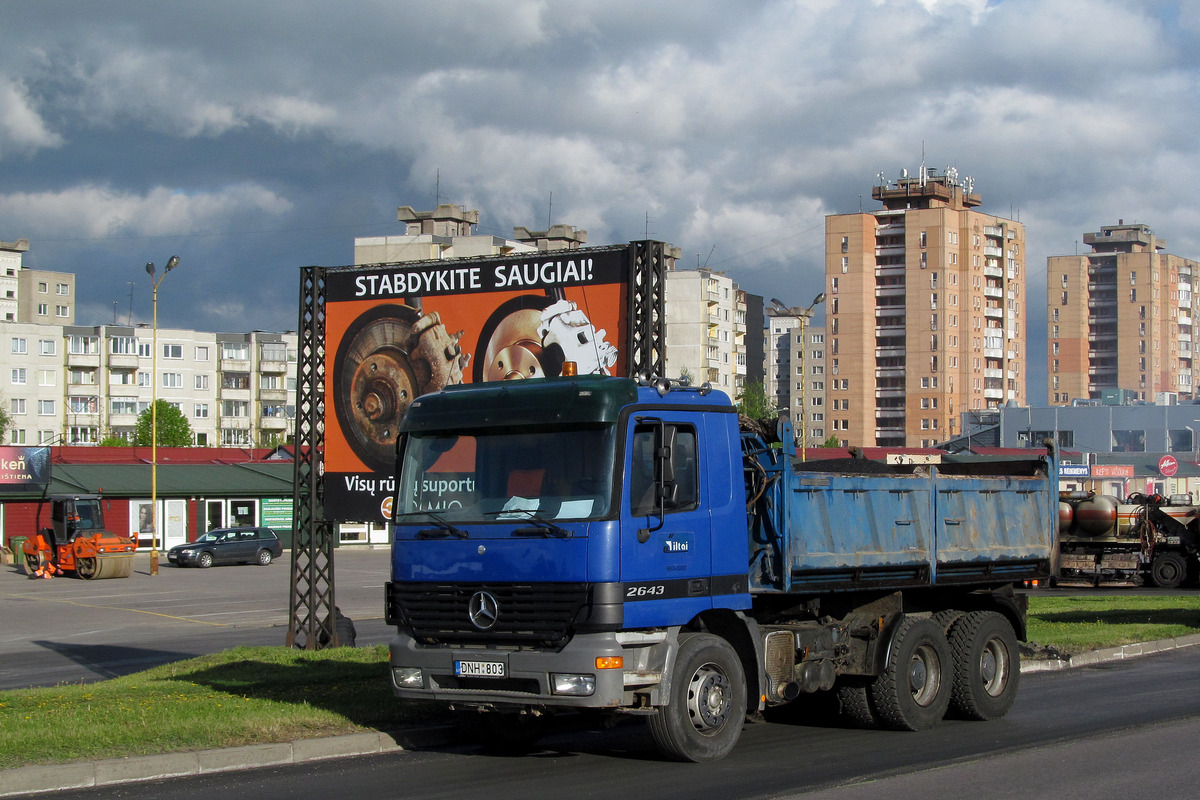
{"x":389,"y":355}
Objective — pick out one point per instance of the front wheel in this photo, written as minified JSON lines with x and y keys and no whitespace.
{"x":707,"y":705}
{"x":204,"y":560}
{"x":913,"y":692}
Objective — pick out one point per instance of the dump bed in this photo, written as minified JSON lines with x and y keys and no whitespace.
{"x":856,"y":524}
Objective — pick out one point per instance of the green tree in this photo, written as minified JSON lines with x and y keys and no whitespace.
{"x":173,"y":427}
{"x":112,"y":440}
{"x":5,"y":420}
{"x":753,"y":402}
{"x":831,"y":442}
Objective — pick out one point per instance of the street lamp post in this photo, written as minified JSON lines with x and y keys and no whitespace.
{"x":154,"y":282}
{"x":804,"y":316}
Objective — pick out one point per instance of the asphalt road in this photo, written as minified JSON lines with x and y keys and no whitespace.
{"x":1119,"y":730}
{"x":68,"y":630}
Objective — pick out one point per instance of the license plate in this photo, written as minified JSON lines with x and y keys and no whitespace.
{"x":479,"y":669}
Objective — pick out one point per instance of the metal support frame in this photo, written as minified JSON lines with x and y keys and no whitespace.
{"x":645,"y":354}
{"x":311,"y":624}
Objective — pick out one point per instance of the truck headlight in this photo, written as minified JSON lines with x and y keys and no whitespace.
{"x":574,"y":685}
{"x":408,"y":677}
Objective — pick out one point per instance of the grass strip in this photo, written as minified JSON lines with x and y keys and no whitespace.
{"x":247,"y":695}
{"x":1078,"y":623}
{"x":255,"y":695}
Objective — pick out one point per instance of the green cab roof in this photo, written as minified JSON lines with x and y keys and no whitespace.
{"x":578,"y":399}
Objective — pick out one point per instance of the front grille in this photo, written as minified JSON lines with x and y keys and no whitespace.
{"x":528,"y":613}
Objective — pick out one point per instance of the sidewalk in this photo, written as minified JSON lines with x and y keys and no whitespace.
{"x":85,"y":774}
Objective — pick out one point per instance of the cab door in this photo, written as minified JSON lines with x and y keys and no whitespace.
{"x":665,"y":528}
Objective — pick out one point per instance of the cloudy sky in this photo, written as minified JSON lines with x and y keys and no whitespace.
{"x":255,"y":138}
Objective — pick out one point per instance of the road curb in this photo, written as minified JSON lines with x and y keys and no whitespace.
{"x":1109,"y":654}
{"x":86,"y":774}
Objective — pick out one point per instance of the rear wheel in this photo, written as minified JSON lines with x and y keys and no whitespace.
{"x":855,"y":702}
{"x":264,"y":557}
{"x":204,"y":560}
{"x":913,"y":692}
{"x":1168,"y":570}
{"x":707,"y":706}
{"x":987,"y":667}
{"x":85,"y":568}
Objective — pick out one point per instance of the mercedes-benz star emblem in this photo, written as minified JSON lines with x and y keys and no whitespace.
{"x":483,"y":610}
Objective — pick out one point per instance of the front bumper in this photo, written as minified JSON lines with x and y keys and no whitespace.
{"x":183,"y":559}
{"x":527,"y":680}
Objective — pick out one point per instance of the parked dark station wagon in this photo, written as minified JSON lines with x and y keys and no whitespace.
{"x":228,"y":546}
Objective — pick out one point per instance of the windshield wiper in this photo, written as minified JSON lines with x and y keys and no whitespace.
{"x":543,"y":527}
{"x":443,"y":528}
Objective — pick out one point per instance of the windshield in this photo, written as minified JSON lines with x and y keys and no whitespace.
{"x":502,"y":474}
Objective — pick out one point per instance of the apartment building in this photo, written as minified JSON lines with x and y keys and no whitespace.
{"x":33,"y":295}
{"x":1120,"y":318}
{"x":707,"y":320}
{"x":924,"y":312}
{"x":795,"y":373}
{"x":79,"y":384}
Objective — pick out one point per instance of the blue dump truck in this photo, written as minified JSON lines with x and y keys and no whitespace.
{"x":600,"y":544}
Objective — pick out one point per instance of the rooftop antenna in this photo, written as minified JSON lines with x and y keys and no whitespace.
{"x":550,"y":211}
{"x":707,"y":257}
{"x":115,"y":304}
{"x":437,"y":187}
{"x":129,"y":319}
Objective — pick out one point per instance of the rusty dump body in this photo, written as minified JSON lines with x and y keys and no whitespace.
{"x":854,"y":524}
{"x":76,"y":541}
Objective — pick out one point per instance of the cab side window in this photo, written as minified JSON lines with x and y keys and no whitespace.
{"x":681,"y":493}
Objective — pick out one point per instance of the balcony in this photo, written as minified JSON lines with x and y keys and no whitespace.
{"x":273,"y":367}
{"x":122,"y":361}
{"x":274,"y":423}
{"x":994,"y":312}
{"x":890,"y":393}
{"x":995,"y":252}
{"x":890,"y":291}
{"x":84,"y":360}
{"x":889,"y":352}
{"x":993,"y":291}
{"x":890,"y":372}
{"x":993,"y":394}
{"x":889,"y":413}
{"x":234,"y":394}
{"x":234,"y":365}
{"x":993,"y":271}
{"x":235,"y":423}
{"x":271,"y":395}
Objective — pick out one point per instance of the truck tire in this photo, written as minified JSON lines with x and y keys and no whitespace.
{"x":707,"y":705}
{"x":854,"y":701}
{"x":987,"y":666}
{"x":1168,"y":570}
{"x":913,"y":692}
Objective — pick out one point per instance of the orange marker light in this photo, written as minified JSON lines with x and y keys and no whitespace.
{"x":570,"y":369}
{"x":609,"y":662}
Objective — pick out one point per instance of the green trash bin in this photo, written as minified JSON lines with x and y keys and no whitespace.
{"x":14,"y":544}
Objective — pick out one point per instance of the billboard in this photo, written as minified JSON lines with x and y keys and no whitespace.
{"x":24,"y":469}
{"x":396,"y":331}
